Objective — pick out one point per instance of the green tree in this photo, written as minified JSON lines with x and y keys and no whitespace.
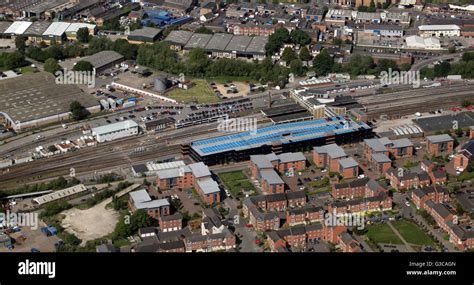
{"x":296,"y":67}
{"x":51,"y":65}
{"x":304,"y":54}
{"x":442,"y":69}
{"x":276,"y":41}
{"x":83,"y":35}
{"x":323,"y":63}
{"x":20,"y":43}
{"x":300,"y":37}
{"x":288,"y":55}
{"x":83,"y":66}
{"x":14,"y":60}
{"x":197,"y":62}
{"x":78,"y":111}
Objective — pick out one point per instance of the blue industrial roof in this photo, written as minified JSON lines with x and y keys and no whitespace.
{"x":283,"y":133}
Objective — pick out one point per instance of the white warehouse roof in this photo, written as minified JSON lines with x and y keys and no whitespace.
{"x":18,"y":27}
{"x":56,"y":29}
{"x":438,"y":27}
{"x":74,"y":27}
{"x":56,"y":195}
{"x":127,"y":124}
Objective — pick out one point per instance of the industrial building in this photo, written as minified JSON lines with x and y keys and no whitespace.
{"x":439,"y":30}
{"x":104,"y":59}
{"x":115,"y":131}
{"x":144,"y":35}
{"x":289,"y":137}
{"x":39,"y":102}
{"x":416,"y":42}
{"x":59,"y":195}
{"x":219,"y":45}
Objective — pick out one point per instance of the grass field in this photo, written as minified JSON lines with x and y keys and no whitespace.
{"x":382,"y":233}
{"x":412,"y":233}
{"x":200,"y":93}
{"x":236,"y":182}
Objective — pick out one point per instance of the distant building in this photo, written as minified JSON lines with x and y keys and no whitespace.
{"x":439,"y":30}
{"x":115,"y":131}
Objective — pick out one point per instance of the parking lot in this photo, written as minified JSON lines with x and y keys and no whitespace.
{"x":29,"y":238}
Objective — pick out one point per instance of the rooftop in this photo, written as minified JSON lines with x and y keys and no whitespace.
{"x":127,"y":124}
{"x":103,"y":58}
{"x":439,"y":138}
{"x":333,"y":150}
{"x":56,"y":29}
{"x":60,"y":194}
{"x":40,"y":98}
{"x":142,"y":200}
{"x":281,"y":133}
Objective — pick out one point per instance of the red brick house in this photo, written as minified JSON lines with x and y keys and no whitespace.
{"x":440,"y":144}
{"x":461,"y":237}
{"x":382,"y":202}
{"x":140,"y":200}
{"x":171,"y":222}
{"x":328,"y":156}
{"x":465,"y":155}
{"x":437,"y":194}
{"x":358,"y":188}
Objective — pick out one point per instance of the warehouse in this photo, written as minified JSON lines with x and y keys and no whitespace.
{"x":416,"y":42}
{"x":220,"y":45}
{"x":115,"y":131}
{"x":39,"y":102}
{"x":36,"y":30}
{"x":439,"y":30}
{"x":17,"y":28}
{"x":3,"y":27}
{"x":430,"y":125}
{"x":104,"y":59}
{"x":71,"y":31}
{"x":144,"y":35}
{"x":289,"y":137}
{"x":59,"y":195}
{"x":56,"y":32}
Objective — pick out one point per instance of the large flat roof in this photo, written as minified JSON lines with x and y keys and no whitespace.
{"x":18,"y":27}
{"x":115,"y":127}
{"x":218,"y":42}
{"x":198,"y":41}
{"x":74,"y":27}
{"x":60,"y":194}
{"x":40,"y":98}
{"x":37,"y":28}
{"x":56,"y":29}
{"x":4,"y":26}
{"x":238,"y":43}
{"x":281,"y":133}
{"x":103,"y":58}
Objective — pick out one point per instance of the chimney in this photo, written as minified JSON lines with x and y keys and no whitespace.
{"x":269,"y":99}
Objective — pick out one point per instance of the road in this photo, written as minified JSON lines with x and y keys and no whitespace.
{"x":426,"y":62}
{"x":409,"y":213}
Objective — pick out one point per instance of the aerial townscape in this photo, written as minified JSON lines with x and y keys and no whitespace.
{"x":176,"y":126}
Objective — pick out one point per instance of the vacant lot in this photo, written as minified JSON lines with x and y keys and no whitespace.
{"x":95,"y":222}
{"x":412,"y":233}
{"x":201,"y":93}
{"x":236,"y":182}
{"x":382,"y":233}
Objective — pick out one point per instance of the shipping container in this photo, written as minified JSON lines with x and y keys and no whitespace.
{"x":112,"y":103}
{"x":128,"y":104}
{"x":104,"y":104}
